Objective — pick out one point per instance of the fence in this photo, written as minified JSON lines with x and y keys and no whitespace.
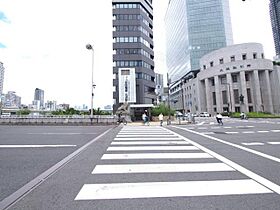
{"x":58,"y":120}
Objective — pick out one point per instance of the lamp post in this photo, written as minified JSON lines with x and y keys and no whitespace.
{"x":90,"y":47}
{"x":168,"y":84}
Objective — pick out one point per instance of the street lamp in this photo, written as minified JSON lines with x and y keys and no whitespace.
{"x":90,"y":47}
{"x":168,"y":86}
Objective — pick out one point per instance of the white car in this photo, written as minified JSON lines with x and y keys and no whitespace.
{"x":204,"y":114}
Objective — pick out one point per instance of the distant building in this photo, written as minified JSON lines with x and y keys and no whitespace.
{"x":159,"y":87}
{"x":11,"y":100}
{"x":51,"y":106}
{"x":2,"y":70}
{"x":274,"y":8}
{"x":63,"y":106}
{"x":236,"y":78}
{"x":133,"y":58}
{"x":193,"y":29}
{"x":39,"y":97}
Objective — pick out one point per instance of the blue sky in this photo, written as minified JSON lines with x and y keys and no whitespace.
{"x":42,"y":45}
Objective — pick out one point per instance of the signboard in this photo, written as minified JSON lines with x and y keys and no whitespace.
{"x":127,"y":85}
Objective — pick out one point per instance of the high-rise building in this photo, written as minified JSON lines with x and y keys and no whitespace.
{"x":39,"y":98}
{"x":133,"y":54}
{"x":2,"y":69}
{"x":274,"y":8}
{"x":193,"y":29}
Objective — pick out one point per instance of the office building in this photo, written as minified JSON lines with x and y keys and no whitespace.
{"x":39,"y":98}
{"x":274,"y":8}
{"x":133,"y":54}
{"x":2,"y":70}
{"x":11,"y":100}
{"x":237,"y":78}
{"x":193,"y":29}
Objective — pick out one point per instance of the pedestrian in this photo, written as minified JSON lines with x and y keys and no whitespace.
{"x":219,"y":119}
{"x":160,"y":117}
{"x":144,"y":118}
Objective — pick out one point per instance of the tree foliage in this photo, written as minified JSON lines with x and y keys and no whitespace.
{"x":162,"y":108}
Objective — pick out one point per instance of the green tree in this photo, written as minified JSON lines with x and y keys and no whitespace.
{"x":162,"y":108}
{"x":23,"y":112}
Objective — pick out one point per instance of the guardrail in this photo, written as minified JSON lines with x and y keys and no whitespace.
{"x":58,"y":120}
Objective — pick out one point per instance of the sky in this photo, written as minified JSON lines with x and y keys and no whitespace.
{"x":42,"y":45}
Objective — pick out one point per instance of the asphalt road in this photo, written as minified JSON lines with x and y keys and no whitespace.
{"x":201,"y":166}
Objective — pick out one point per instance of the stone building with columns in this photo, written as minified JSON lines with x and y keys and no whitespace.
{"x":236,"y":78}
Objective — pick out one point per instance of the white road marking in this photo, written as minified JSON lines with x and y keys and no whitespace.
{"x":60,"y":133}
{"x":144,"y":135}
{"x":273,"y":143}
{"x":215,"y":127}
{"x":169,"y":189}
{"x":276,"y":131}
{"x":231,"y":132}
{"x":156,"y":156}
{"x":263,"y":131}
{"x":36,"y":146}
{"x":265,"y":182}
{"x":227,"y":127}
{"x":211,"y":123}
{"x":253,"y":144}
{"x":148,"y":148}
{"x":202,"y":128}
{"x":149,"y":142}
{"x":161,"y":168}
{"x":248,"y":132}
{"x":201,"y":123}
{"x":208,"y":132}
{"x":141,"y":139}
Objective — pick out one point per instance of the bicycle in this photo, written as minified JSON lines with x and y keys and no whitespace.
{"x":122,"y":120}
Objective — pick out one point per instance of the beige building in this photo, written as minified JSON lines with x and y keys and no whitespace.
{"x":236,"y":78}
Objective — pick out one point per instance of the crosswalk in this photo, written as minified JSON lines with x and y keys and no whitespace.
{"x":142,"y":151}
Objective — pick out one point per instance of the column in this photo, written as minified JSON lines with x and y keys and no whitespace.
{"x":230,"y":94}
{"x":244,"y":106}
{"x":257,"y":91}
{"x":209,"y":104}
{"x":218,"y":94}
{"x":268,"y":88}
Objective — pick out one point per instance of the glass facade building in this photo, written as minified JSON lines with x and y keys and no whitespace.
{"x":133,"y":47}
{"x":193,"y":29}
{"x":274,"y":8}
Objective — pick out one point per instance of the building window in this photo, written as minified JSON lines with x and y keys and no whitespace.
{"x":244,"y":56}
{"x":236,"y":96}
{"x":213,"y":82}
{"x":234,"y":67}
{"x":255,"y":55}
{"x":214,"y":98}
{"x":223,"y":80}
{"x":232,"y":58}
{"x":204,"y":67}
{"x":227,"y":68}
{"x":224,"y":96}
{"x":247,"y":77}
{"x":262,"y":56}
{"x":234,"y":78}
{"x":221,"y":61}
{"x":249,"y":95}
{"x":211,"y":63}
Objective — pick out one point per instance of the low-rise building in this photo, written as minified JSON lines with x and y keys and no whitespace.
{"x":236,"y":78}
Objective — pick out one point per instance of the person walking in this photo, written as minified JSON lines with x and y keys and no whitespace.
{"x":219,"y":119}
{"x":160,"y":117}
